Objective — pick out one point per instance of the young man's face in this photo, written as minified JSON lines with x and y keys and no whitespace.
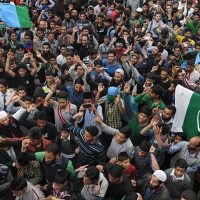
{"x":41,"y":123}
{"x":45,"y":48}
{"x":179,"y":172}
{"x":62,"y":103}
{"x":22,"y":93}
{"x":111,"y":57}
{"x":126,"y":164}
{"x":78,"y":88}
{"x":63,"y":50}
{"x":58,"y":186}
{"x":69,"y":60}
{"x":120,"y":138}
{"x":88,"y":137}
{"x":49,"y":79}
{"x":51,"y":37}
{"x":22,"y":72}
{"x":3,"y":89}
{"x":64,"y":134}
{"x":26,"y":39}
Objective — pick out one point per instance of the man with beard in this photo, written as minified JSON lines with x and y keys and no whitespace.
{"x":190,"y":151}
{"x":164,"y":81}
{"x":167,"y":115}
{"x":154,"y":187}
{"x":51,"y":161}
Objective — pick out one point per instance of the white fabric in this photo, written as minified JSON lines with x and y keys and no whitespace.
{"x":182,"y":100}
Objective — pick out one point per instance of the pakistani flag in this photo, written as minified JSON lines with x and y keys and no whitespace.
{"x":187,"y":117}
{"x":15,"y":16}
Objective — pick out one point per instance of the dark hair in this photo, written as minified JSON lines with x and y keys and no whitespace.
{"x":39,"y":29}
{"x":62,"y":95}
{"x":180,"y":134}
{"x":176,"y":82}
{"x":21,"y":66}
{"x":21,"y":87}
{"x":92,"y":130}
{"x":123,"y":156}
{"x":35,"y":133}
{"x":63,"y":46}
{"x":23,"y":160}
{"x":48,"y":73}
{"x":165,"y":128}
{"x":189,"y":195}
{"x":98,"y":62}
{"x":112,"y":52}
{"x":126,"y":131}
{"x":145,"y":146}
{"x":41,"y":116}
{"x":131,"y":196}
{"x":92,"y":51}
{"x":46,"y":43}
{"x":164,"y":69}
{"x":18,"y":183}
{"x":173,"y":108}
{"x":150,"y":75}
{"x":116,"y":171}
{"x":4,"y":82}
{"x":61,"y":176}
{"x":146,"y":110}
{"x":158,"y":90}
{"x":187,"y":30}
{"x":92,"y":173}
{"x":79,"y":81}
{"x":181,"y":163}
{"x":53,"y":148}
{"x":26,"y":98}
{"x":87,"y":95}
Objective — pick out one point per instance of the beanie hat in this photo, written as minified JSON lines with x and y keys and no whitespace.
{"x":3,"y":114}
{"x":121,"y":71}
{"x":160,"y":175}
{"x":112,"y":91}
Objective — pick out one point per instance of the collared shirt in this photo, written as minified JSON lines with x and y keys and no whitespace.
{"x":175,"y":178}
{"x":66,"y":114}
{"x":112,"y":114}
{"x":7,"y":95}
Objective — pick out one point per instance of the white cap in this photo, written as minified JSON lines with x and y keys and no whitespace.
{"x":121,"y":71}
{"x":3,"y":114}
{"x":160,"y":175}
{"x":139,"y":9}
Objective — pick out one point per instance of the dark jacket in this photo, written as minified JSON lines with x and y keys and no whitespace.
{"x":161,"y":193}
{"x":49,"y":132}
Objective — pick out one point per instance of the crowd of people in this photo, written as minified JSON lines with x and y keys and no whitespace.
{"x":87,"y":101}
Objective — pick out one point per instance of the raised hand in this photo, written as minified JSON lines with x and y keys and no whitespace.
{"x":127,"y":87}
{"x":101,"y":87}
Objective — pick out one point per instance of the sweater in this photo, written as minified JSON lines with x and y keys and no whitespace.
{"x":31,"y":193}
{"x":176,"y":187}
{"x":116,"y":148}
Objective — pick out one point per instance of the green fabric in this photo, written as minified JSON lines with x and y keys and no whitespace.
{"x":23,"y":16}
{"x":40,"y":156}
{"x":70,"y":167}
{"x":191,"y":124}
{"x":136,"y":137}
{"x":193,"y":27}
{"x":146,"y":99}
